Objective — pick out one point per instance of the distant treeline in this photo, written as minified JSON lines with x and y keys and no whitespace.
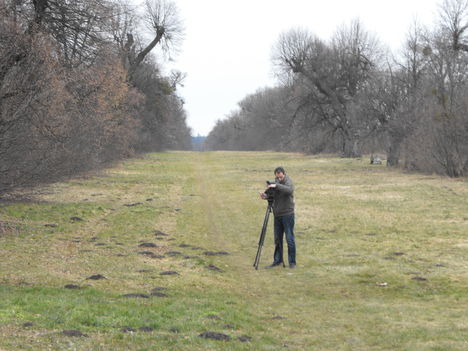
{"x":348,"y":95}
{"x":79,"y":88}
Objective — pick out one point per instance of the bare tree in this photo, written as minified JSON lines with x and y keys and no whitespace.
{"x":78,"y":26}
{"x":162,"y":19}
{"x":437,"y":86}
{"x":334,"y":77}
{"x":454,"y":19}
{"x":448,"y":79}
{"x":400,"y":92}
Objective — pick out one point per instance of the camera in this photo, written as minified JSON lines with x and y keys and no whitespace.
{"x":270,"y":192}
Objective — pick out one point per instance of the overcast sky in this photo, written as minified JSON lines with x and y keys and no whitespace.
{"x":226,"y":53}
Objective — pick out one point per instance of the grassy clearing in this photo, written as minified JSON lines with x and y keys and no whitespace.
{"x":381,"y":259}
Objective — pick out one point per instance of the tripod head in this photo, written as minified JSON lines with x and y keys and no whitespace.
{"x":270,"y":192}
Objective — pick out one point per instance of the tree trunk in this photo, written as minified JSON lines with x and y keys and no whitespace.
{"x":454,"y":164}
{"x":393,"y":154}
{"x":351,"y":147}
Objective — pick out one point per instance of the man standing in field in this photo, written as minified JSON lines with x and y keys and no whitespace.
{"x":283,"y":211}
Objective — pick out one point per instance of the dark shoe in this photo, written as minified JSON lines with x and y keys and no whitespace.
{"x":292,"y":265}
{"x":273,"y":265}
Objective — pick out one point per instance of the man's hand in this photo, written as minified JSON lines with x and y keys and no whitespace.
{"x":272,"y":186}
{"x":263,"y":196}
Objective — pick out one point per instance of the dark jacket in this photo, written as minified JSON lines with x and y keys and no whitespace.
{"x":284,"y":197}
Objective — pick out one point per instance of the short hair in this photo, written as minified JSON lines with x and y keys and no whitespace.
{"x":279,"y":170}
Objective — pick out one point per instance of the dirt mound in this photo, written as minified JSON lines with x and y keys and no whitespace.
{"x":74,"y":333}
{"x":212,"y":267}
{"x":147,"y":245}
{"x":244,"y":338}
{"x":215,"y":336}
{"x":169,"y":273}
{"x":72,"y":287}
{"x":137,"y":295}
{"x":215,"y":253}
{"x":160,"y":233}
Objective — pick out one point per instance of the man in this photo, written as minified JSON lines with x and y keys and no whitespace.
{"x":283,"y":211}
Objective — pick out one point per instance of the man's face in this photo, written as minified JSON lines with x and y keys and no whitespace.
{"x":280,"y":176}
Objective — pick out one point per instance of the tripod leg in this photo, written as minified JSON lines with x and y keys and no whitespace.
{"x":262,"y":235}
{"x":260,"y":245}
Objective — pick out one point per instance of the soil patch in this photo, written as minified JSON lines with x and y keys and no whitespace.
{"x":133,"y":204}
{"x":96,"y":277}
{"x":137,"y":295}
{"x":420,"y":279}
{"x":169,"y":273}
{"x":147,"y":245}
{"x":72,"y":287}
{"x":160,"y":233}
{"x":215,"y":336}
{"x":173,"y":253}
{"x":213,"y":316}
{"x":244,"y":338}
{"x":74,"y":333}
{"x":215,"y":253}
{"x":277,"y":318}
{"x":212,"y":267}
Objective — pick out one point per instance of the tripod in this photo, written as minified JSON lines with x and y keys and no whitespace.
{"x":263,"y":233}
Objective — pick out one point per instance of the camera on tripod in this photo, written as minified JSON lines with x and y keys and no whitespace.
{"x":270,"y":192}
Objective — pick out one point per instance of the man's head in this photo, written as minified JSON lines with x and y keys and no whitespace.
{"x":280,"y":173}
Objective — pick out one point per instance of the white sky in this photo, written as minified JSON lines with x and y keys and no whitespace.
{"x":226,"y":53}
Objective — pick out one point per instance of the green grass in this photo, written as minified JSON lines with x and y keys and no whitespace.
{"x":381,"y":258}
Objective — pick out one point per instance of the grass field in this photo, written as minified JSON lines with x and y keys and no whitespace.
{"x":152,"y":253}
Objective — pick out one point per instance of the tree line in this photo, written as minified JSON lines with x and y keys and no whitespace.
{"x":79,"y":87}
{"x":349,"y":95}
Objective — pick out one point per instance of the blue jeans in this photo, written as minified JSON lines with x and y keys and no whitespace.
{"x":284,"y":225}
